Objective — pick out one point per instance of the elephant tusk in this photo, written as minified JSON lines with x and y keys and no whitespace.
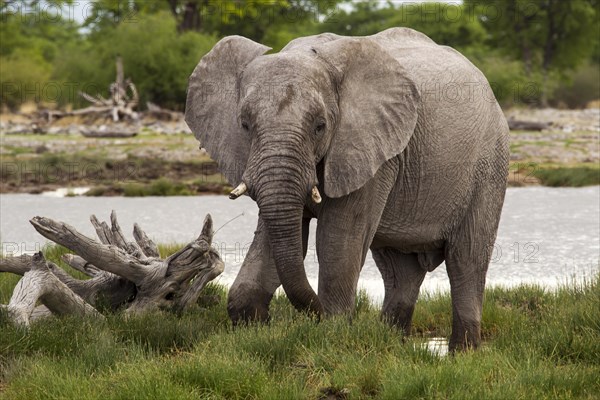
{"x":316,"y":196}
{"x":238,"y":191}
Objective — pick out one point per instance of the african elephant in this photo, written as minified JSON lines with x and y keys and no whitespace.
{"x":403,"y":138}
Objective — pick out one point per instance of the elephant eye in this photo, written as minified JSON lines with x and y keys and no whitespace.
{"x":245,"y":125}
{"x":320,"y":127}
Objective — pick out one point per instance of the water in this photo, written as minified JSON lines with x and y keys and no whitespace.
{"x":547,"y":236}
{"x":437,"y":346}
{"x":65,"y":192}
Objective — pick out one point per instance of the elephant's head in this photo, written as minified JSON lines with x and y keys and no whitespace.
{"x":269,"y":120}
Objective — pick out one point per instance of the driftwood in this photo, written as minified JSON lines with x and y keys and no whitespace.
{"x":162,"y":113}
{"x":102,"y":287}
{"x":123,"y":274}
{"x":40,"y":284}
{"x":516,"y":125}
{"x":120,"y":104}
{"x":105,"y":131}
{"x":124,"y":98}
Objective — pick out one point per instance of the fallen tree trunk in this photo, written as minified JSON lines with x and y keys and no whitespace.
{"x":103,"y":287}
{"x":123,"y":274}
{"x":40,"y":284}
{"x":515,"y":125}
{"x":162,"y":113}
{"x":124,"y":98}
{"x":108,"y":133}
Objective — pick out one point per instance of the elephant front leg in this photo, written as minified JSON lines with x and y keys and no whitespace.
{"x":253,"y":288}
{"x":345,"y":231}
{"x":340,"y":260}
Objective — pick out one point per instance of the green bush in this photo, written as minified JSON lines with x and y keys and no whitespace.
{"x":25,"y":76}
{"x":157,"y":59}
{"x":507,"y":78}
{"x":30,"y":44}
{"x":581,"y":89}
{"x":80,"y":69}
{"x":159,"y":187}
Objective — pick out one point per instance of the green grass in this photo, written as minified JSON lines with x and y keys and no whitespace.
{"x":214,"y":184}
{"x":538,"y":344}
{"x":554,"y":175}
{"x":569,"y":176}
{"x":160,"y":187}
{"x":130,"y":177}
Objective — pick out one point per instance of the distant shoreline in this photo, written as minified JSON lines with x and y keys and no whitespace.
{"x":167,"y":161}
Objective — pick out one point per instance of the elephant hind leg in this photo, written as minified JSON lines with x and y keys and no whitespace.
{"x":402,"y":277}
{"x":467,"y":282}
{"x":468,"y":253}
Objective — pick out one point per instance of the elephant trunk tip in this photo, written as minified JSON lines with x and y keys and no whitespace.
{"x":313,"y":307}
{"x":316,"y":311}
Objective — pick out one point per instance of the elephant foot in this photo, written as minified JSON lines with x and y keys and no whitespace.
{"x":248,"y":303}
{"x":465,"y":338}
{"x":399,"y":318}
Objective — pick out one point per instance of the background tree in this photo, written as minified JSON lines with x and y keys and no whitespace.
{"x":160,"y":67}
{"x":550,"y":37}
{"x":32,"y":35}
{"x":526,"y":48}
{"x":445,"y":23}
{"x":102,"y":15}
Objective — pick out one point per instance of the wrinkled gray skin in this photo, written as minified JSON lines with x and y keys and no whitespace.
{"x":406,"y":143}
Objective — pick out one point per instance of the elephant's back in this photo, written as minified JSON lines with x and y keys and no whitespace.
{"x":461,"y":133}
{"x":457,"y":104}
{"x":424,"y":59}
{"x":403,"y":37}
{"x":453,"y":91}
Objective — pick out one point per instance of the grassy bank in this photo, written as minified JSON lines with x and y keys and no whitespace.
{"x":553,"y":174}
{"x":560,"y":176}
{"x":129,"y":176}
{"x":538,"y":344}
{"x":554,"y":159}
{"x":168,"y":165}
{"x":146,"y":165}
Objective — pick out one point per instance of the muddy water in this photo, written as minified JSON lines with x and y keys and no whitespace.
{"x":547,"y":236}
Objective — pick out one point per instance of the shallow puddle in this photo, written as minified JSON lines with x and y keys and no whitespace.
{"x":437,"y":346}
{"x":65,"y":192}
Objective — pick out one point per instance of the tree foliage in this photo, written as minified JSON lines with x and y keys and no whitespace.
{"x":156,"y":57}
{"x":31,"y":39}
{"x":445,"y":23}
{"x":548,"y":36}
{"x":525,"y":47}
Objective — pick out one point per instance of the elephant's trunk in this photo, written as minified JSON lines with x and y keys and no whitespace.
{"x":281,"y":187}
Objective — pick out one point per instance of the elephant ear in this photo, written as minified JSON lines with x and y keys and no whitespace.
{"x":378,"y":112}
{"x":212,"y":103}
